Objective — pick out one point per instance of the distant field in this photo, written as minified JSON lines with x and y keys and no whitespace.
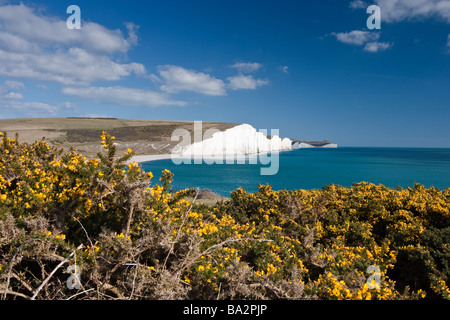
{"x":143,"y":136}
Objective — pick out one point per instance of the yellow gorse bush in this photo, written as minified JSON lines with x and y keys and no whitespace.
{"x":134,"y":238}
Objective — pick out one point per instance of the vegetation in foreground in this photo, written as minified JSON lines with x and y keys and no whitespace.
{"x":77,"y":228}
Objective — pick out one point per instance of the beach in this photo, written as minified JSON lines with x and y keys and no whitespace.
{"x":149,"y":157}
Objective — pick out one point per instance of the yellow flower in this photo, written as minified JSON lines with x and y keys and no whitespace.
{"x":48,"y":233}
{"x":60,"y":236}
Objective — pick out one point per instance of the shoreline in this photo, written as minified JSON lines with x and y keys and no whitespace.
{"x":233,"y":157}
{"x":154,"y":157}
{"x":149,"y":157}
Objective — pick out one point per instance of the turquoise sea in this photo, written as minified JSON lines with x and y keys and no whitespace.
{"x":315,"y":168}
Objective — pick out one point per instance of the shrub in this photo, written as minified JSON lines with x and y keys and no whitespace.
{"x":124,"y":237}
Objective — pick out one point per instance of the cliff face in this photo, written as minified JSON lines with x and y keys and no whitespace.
{"x":303,"y":145}
{"x":240,"y":140}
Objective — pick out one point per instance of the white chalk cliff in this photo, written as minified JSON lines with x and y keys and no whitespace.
{"x":240,"y":140}
{"x":304,"y":145}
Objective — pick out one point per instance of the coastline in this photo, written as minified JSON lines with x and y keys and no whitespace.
{"x":154,"y":157}
{"x":149,"y":157}
{"x":233,"y":157}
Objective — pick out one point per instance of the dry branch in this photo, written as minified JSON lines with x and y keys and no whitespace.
{"x":53,"y":272}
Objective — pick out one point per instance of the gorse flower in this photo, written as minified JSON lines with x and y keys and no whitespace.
{"x":135,"y":238}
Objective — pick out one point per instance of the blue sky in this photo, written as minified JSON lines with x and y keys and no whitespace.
{"x":311,"y":69}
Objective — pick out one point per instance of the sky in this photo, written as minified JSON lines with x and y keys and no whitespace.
{"x":312,"y":69}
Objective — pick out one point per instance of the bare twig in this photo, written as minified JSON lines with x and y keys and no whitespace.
{"x":53,"y":272}
{"x":15,"y":294}
{"x":22,"y":281}
{"x":5,"y":292}
{"x":87,"y":236}
{"x":130,"y":217}
{"x":113,"y":289}
{"x":218,"y":293}
{"x":80,"y":293}
{"x":9,"y":275}
{"x":134,"y":278}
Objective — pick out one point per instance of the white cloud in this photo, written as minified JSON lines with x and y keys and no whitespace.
{"x":245,"y":82}
{"x":358,"y":4}
{"x":368,"y":39}
{"x":69,"y":106}
{"x":40,"y":47}
{"x":123,"y":96}
{"x":74,"y":66}
{"x":13,"y":95}
{"x":247,"y":67}
{"x":32,"y":109}
{"x":376,"y":46}
{"x":13,"y":103}
{"x":398,"y":10}
{"x":24,"y":23}
{"x":14,"y":84}
{"x":356,"y":37}
{"x":176,"y":79}
{"x":6,"y":94}
{"x":284,"y":69}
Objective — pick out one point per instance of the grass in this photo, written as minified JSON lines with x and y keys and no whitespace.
{"x":143,"y":136}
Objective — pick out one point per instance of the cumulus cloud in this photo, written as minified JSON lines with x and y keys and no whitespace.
{"x":247,"y":67}
{"x":358,"y":4}
{"x":74,"y":66}
{"x":14,"y":103}
{"x":13,"y":95}
{"x":368,"y":39}
{"x":123,"y":96}
{"x":23,"y":23}
{"x":32,"y":109}
{"x":176,"y":79}
{"x":245,"y":82}
{"x":7,"y":93}
{"x":284,"y":69}
{"x":398,"y":10}
{"x":356,"y":37}
{"x":14,"y":84}
{"x":40,"y":47}
{"x":376,"y":46}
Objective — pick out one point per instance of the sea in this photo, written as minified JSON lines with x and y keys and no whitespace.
{"x":315,"y":168}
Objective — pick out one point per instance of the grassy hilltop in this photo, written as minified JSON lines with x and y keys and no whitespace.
{"x":143,"y":136}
